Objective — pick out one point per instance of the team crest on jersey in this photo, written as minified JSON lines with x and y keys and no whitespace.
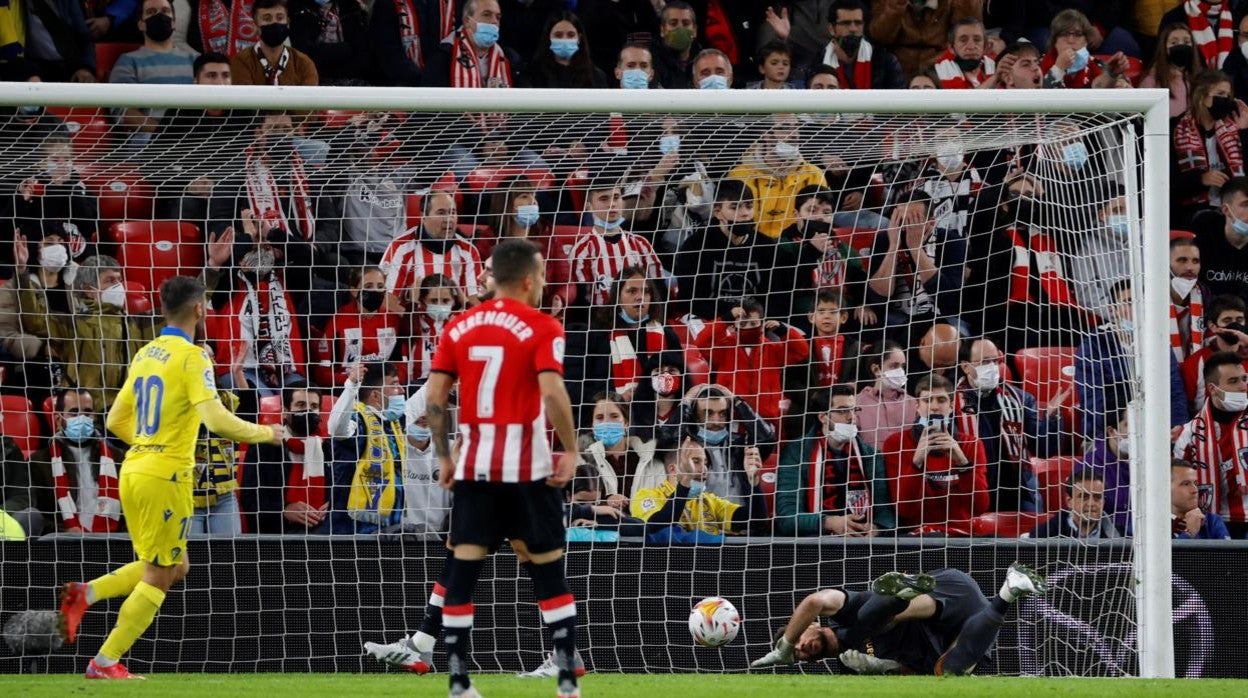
{"x":1243,"y":458}
{"x":209,"y":381}
{"x":556,"y":348}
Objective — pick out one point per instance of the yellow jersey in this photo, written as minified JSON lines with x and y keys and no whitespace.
{"x":708,"y":513}
{"x":167,"y":380}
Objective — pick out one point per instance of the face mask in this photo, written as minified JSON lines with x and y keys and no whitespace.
{"x":371,"y":299}
{"x":950,"y":161}
{"x":1181,"y":286}
{"x":394,"y":407}
{"x":486,"y":35}
{"x":609,"y":226}
{"x":966,"y":65}
{"x":114,"y":295}
{"x":669,"y":144}
{"x":894,"y":378}
{"x":564,"y":48}
{"x":1119,"y":225}
{"x":1081,"y":61}
{"x":419,"y":433}
{"x":987,"y":377}
{"x":850,"y":45}
{"x":304,"y":424}
{"x":1124,"y":445}
{"x":679,"y":39}
{"x":714,"y":438}
{"x":788,"y":151}
{"x":1127,"y":326}
{"x":624,"y":316}
{"x":1075,"y":155}
{"x":1240,"y":227}
{"x":79,"y":428}
{"x":635,"y":79}
{"x":663,"y":383}
{"x":59,"y":170}
{"x":527,"y":215}
{"x":1234,"y":402}
{"x":696,"y":488}
{"x":54,"y":257}
{"x":158,"y":28}
{"x":1180,"y":55}
{"x":1243,"y":48}
{"x":1222,"y":107}
{"x":843,"y":433}
{"x":438,"y":311}
{"x":322,"y":3}
{"x":609,"y":433}
{"x":274,"y":35}
{"x":30,"y":111}
{"x":752,"y":335}
{"x":713,"y":82}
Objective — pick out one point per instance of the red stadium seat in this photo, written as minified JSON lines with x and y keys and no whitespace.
{"x":122,"y":193}
{"x":1047,"y":371}
{"x":138,"y":298}
{"x":152,"y":251}
{"x":767,"y":482}
{"x":106,"y":55}
{"x":575,"y":184}
{"x":1052,"y":475}
{"x":860,"y":240}
{"x":270,"y":409}
{"x":19,"y":422}
{"x":488,"y":178}
{"x":88,"y":129}
{"x":1005,"y":524}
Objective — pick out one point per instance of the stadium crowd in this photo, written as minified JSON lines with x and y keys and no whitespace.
{"x":762,"y":336}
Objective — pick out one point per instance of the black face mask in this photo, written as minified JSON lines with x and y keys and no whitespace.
{"x":274,"y":35}
{"x":850,"y":44}
{"x":304,"y":424}
{"x":371,"y":299}
{"x":158,"y":27}
{"x":966,"y":65}
{"x":1222,"y":107}
{"x":741,"y":229}
{"x":1180,"y":55}
{"x":1026,"y":208}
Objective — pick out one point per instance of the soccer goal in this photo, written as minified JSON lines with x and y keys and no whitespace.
{"x":1005,"y":250}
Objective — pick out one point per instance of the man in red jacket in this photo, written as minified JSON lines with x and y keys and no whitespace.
{"x":1226,"y":331}
{"x":938,"y":477}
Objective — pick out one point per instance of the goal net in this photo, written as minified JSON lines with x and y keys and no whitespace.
{"x":882,"y":340}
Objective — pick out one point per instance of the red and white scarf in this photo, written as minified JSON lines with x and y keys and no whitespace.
{"x":1048,"y":263}
{"x":825,"y":353}
{"x":266,"y":327}
{"x":409,"y":31}
{"x":227,"y":31}
{"x":953,"y":78}
{"x":1192,"y":154}
{"x":307,"y":479}
{"x":862,"y":68}
{"x":1196,"y":312}
{"x":1219,"y":473}
{"x":822,"y":494}
{"x":266,"y":200}
{"x":1214,"y":47}
{"x":107,"y":503}
{"x":273,"y":73}
{"x":830,"y":271}
{"x":1012,"y":438}
{"x":625,"y":366}
{"x":464,"y":69}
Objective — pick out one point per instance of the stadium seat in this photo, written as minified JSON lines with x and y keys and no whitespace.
{"x":1005,"y":524}
{"x":767,"y":482}
{"x":860,"y":240}
{"x":152,"y":251}
{"x":1052,"y":474}
{"x":106,"y":55}
{"x":490,"y":178}
{"x":138,"y":298}
{"x":270,"y":409}
{"x":1046,"y":371}
{"x":575,"y":184}
{"x":88,"y":129}
{"x":19,"y":422}
{"x":122,"y":193}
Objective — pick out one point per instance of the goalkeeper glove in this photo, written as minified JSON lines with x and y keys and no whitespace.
{"x":867,"y":664}
{"x":782,"y":655}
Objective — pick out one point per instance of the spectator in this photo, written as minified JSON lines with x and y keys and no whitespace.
{"x":434,"y":247}
{"x":404,"y":35}
{"x":284,"y":488}
{"x":75,"y":474}
{"x":1198,"y":172}
{"x":30,"y":506}
{"x":1216,"y":440}
{"x":514,"y":211}
{"x":736,"y":439}
{"x":1109,"y":20}
{"x":610,"y":23}
{"x":1068,"y":61}
{"x":822,"y":77}
{"x":656,"y":413}
{"x":827,"y":342}
{"x":427,"y":505}
{"x":1177,"y":61}
{"x":775,"y":64}
{"x":923,"y":81}
{"x":1083,"y":515}
{"x":774,"y":171}
{"x":820,"y":260}
{"x":157,"y":62}
{"x":1236,"y":64}
{"x":1109,"y":460}
{"x":366,"y":425}
{"x":634,"y":70}
{"x":364,"y":330}
{"x":102,"y":334}
{"x":936,"y":473}
{"x":33,"y":309}
{"x":564,"y":61}
{"x":916,"y":30}
{"x":272,"y":61}
{"x":437,"y":301}
{"x":334,"y":35}
{"x":52,"y":36}
{"x":55,"y":202}
{"x":472,"y":57}
{"x":802,"y":24}
{"x":728,"y":260}
{"x":885,"y":406}
{"x":683,"y":509}
{"x":1222,"y":240}
{"x":859,"y":63}
{"x":216,"y":511}
{"x":1018,"y":67}
{"x":1210,"y":22}
{"x":1227,"y":332}
{"x":600,"y":255}
{"x":1006,"y":420}
{"x":712,"y":70}
{"x":964,"y":64}
{"x":623,"y":464}
{"x":938,"y":351}
{"x":678,"y":31}
{"x":1187,"y":519}
{"x":1187,"y":295}
{"x":749,"y":355}
{"x":1100,"y":257}
{"x":831,"y":480}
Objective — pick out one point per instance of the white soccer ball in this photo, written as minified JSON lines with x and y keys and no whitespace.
{"x":714,"y":621}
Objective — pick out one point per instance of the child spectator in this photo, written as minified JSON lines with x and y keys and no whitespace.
{"x":1175,"y":64}
{"x":775,"y":63}
{"x":364,"y":329}
{"x":1227,"y":331}
{"x":437,"y":301}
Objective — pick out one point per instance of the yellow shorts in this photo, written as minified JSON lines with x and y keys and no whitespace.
{"x":158,"y":516}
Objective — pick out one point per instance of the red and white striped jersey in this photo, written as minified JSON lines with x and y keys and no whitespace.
{"x":408,"y":259}
{"x":597,"y":261}
{"x":497,"y":350}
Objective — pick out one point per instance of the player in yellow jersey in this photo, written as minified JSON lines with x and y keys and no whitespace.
{"x":169,"y":391}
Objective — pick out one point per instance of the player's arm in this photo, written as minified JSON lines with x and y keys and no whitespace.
{"x":438,"y":392}
{"x":559,"y":414}
{"x":121,"y":420}
{"x":201,"y":390}
{"x":821,"y":603}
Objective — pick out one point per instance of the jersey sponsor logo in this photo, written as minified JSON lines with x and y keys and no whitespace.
{"x":556,"y":349}
{"x":210,"y":381}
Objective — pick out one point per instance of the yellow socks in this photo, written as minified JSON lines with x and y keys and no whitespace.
{"x":119,"y":582}
{"x":135,"y":615}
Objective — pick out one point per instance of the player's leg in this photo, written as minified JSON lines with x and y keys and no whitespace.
{"x":540,"y":538}
{"x":415,"y":652}
{"x":77,"y":597}
{"x":476,"y":527}
{"x":979,"y":631}
{"x":891,"y":595}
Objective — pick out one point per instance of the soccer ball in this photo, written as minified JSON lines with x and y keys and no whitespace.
{"x":714,"y":622}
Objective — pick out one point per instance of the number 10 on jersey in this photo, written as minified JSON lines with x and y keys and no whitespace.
{"x":149,"y":393}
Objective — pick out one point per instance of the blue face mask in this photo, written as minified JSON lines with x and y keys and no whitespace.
{"x":696,"y":488}
{"x":713,"y":82}
{"x":624,"y":316}
{"x":609,"y":226}
{"x":1119,"y":225}
{"x":635,"y":79}
{"x":669,"y":144}
{"x":486,"y":35}
{"x":564,"y":48}
{"x":609,"y":433}
{"x":1240,"y":227}
{"x":79,"y":428}
{"x":713,"y":438}
{"x":419,"y":433}
{"x":394,"y":407}
{"x":322,"y":3}
{"x":527,"y":215}
{"x":1075,"y":155}
{"x":1081,"y":61}
{"x":1127,"y":326}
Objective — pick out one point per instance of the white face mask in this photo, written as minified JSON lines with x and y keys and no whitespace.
{"x":114,"y":295}
{"x":1234,"y":402}
{"x":987,"y":377}
{"x":438,"y":311}
{"x":894,"y":378}
{"x":950,"y":161}
{"x":1124,"y":445}
{"x":1243,"y":48}
{"x":1181,"y":286}
{"x":54,"y":257}
{"x":786,"y":150}
{"x":843,"y":433}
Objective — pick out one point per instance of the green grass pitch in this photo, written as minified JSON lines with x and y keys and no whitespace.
{"x":611,"y":686}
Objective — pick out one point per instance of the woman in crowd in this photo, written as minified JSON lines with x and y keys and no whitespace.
{"x":563,"y":61}
{"x":624,"y":464}
{"x":1208,"y":142}
{"x":1177,"y":61}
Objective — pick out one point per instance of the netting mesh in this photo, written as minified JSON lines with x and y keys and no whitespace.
{"x":956,"y":286}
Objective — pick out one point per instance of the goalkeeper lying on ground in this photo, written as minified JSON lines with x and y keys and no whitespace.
{"x":938,"y":623}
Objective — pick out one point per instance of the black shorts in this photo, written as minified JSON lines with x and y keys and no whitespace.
{"x":485,"y":513}
{"x":959,"y":598}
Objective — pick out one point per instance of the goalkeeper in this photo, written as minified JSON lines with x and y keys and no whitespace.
{"x":938,"y":623}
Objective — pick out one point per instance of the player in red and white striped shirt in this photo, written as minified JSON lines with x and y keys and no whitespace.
{"x":508,"y":358}
{"x":599,"y":256}
{"x":434,"y":247}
